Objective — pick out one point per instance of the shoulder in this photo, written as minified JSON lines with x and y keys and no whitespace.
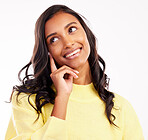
{"x":23,"y":100}
{"x":124,"y":110}
{"x":27,"y":101}
{"x":127,"y":118}
{"x":121,"y":101}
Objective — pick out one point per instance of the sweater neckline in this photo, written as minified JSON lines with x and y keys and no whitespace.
{"x":84,"y":93}
{"x":91,"y":84}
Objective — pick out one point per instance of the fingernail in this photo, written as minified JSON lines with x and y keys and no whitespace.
{"x":76,"y":76}
{"x":76,"y":71}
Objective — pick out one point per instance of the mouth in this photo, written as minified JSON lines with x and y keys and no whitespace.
{"x":72,"y":54}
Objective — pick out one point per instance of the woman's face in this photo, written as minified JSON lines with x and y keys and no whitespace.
{"x":67,"y":41}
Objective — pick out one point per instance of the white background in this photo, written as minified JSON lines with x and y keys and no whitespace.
{"x":122,"y":31}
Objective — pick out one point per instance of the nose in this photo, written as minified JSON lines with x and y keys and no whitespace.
{"x":68,"y":42}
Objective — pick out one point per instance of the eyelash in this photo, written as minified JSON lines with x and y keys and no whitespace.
{"x":71,"y":28}
{"x":51,"y":40}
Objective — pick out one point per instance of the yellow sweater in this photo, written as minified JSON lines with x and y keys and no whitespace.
{"x":85,"y":119}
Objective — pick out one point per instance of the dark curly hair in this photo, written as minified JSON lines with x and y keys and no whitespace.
{"x":39,"y":83}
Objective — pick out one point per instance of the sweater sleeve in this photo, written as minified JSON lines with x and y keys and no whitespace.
{"x":132,"y":128}
{"x":26,"y":128}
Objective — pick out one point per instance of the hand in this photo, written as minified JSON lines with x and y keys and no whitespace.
{"x":62,"y":78}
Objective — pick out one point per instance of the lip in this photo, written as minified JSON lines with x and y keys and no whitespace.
{"x":72,"y":51}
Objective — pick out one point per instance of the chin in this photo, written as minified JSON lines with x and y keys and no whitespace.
{"x":78,"y":64}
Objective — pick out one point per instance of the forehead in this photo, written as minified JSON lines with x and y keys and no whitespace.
{"x":59,"y":20}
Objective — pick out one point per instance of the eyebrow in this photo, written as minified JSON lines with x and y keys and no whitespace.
{"x":69,"y":24}
{"x":64,"y":28}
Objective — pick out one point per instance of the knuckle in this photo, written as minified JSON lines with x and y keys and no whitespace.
{"x":51,"y":75}
{"x":64,"y":66}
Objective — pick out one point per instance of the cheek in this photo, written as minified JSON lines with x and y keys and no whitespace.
{"x":83,"y":38}
{"x":55,"y":50}
{"x":56,"y":53}
{"x":85,"y":43}
{"x":86,"y":47}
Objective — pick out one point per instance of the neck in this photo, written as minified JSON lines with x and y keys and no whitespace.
{"x":84,"y":76}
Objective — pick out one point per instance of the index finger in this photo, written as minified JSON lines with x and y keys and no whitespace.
{"x":52,"y":64}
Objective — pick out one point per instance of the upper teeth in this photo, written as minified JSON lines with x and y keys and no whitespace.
{"x":74,"y":52}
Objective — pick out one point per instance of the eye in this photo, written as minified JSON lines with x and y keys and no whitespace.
{"x":53,"y":39}
{"x":72,"y":29}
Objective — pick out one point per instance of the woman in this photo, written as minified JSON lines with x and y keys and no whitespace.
{"x":66,"y":97}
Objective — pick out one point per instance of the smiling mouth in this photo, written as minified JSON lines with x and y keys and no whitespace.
{"x":73,"y":54}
